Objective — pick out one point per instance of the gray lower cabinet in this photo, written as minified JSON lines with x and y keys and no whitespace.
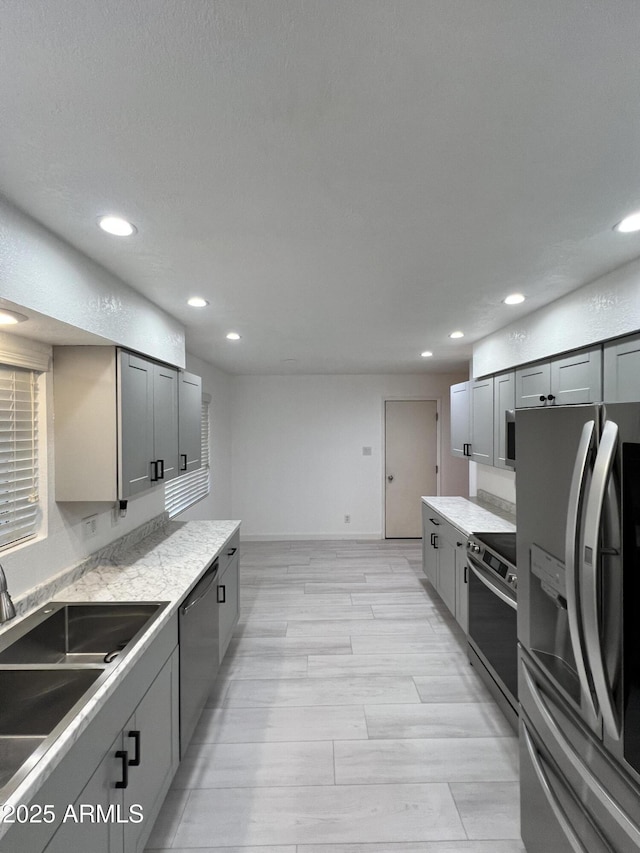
{"x":481,"y":406}
{"x":460,"y":424}
{"x":443,"y":562}
{"x":622,"y":370}
{"x":571,"y":379}
{"x":504,"y":400}
{"x":229,"y":593}
{"x":138,"y":721}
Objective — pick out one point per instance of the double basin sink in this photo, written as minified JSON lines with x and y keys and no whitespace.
{"x":51,"y":664}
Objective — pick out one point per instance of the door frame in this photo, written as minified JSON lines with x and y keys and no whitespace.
{"x":409,"y":398}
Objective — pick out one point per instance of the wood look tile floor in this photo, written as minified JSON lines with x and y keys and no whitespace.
{"x":345,"y":718}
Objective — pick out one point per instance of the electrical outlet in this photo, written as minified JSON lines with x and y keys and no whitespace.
{"x":347,"y":519}
{"x":90,"y":526}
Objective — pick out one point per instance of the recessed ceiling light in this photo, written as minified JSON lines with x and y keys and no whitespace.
{"x":426,"y":354}
{"x":233,"y":336}
{"x":10,"y":318}
{"x":197,"y":302}
{"x":629,"y":224}
{"x":514,"y":299}
{"x":117,"y":226}
{"x":456,"y":335}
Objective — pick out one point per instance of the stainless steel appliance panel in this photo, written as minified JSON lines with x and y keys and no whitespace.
{"x":199,"y":651}
{"x":555,"y":449}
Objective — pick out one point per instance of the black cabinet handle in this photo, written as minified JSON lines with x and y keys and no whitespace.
{"x":435,"y":541}
{"x":434,"y":521}
{"x":542,"y":398}
{"x":466,"y":571}
{"x":550,"y":397}
{"x":160,"y":462}
{"x":124,"y":756}
{"x":154,"y":472}
{"x":459,"y":544}
{"x":231,"y":552}
{"x":183,"y":457}
{"x":222,"y":590}
{"x":466,"y":449}
{"x":135,"y":761}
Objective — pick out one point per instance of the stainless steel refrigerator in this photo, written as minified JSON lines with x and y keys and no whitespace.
{"x":578,"y":556}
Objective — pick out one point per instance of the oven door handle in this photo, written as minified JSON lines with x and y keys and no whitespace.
{"x":503,"y":596}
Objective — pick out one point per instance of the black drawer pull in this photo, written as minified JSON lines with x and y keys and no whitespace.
{"x":222,"y":591}
{"x":154,"y":472}
{"x":434,"y":521}
{"x":231,"y":552}
{"x":183,"y":456}
{"x":435,"y":541}
{"x":160,"y":462}
{"x":135,"y":761}
{"x":124,"y":756}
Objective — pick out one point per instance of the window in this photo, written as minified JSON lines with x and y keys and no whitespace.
{"x":187,"y":489}
{"x":18,"y":454}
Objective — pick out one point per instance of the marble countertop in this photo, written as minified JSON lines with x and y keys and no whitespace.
{"x":163,"y":566}
{"x":470,"y":517}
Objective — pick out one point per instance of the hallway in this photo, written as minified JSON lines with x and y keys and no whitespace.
{"x":346,"y":718}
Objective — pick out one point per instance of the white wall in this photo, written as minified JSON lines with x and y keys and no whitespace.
{"x":497,"y":481}
{"x":605,"y":308}
{"x":297,"y":463}
{"x":40,"y":271}
{"x":217,"y":383}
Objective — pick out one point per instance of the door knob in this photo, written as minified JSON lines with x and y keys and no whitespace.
{"x":390,"y":478}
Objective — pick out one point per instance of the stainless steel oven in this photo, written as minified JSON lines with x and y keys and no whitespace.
{"x":492,"y":580}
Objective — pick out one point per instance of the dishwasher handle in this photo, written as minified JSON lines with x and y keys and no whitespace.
{"x":197,"y":594}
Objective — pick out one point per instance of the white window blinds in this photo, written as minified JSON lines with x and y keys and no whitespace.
{"x":185,"y":490}
{"x":18,"y":454}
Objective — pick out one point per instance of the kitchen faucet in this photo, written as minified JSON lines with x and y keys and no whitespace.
{"x":7,"y":610}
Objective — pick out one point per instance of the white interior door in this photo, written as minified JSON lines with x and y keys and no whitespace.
{"x":411,"y":443}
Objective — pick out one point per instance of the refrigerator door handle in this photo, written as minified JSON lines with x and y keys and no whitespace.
{"x":620,"y":817}
{"x":589,"y":576}
{"x":554,"y":803}
{"x":572,"y":545}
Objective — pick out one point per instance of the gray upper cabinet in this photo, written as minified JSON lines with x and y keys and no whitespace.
{"x":136,"y":423}
{"x":460,"y":432}
{"x":569,"y":379}
{"x":622,"y":370}
{"x":190,"y":413}
{"x":504,"y":399}
{"x":533,"y":384}
{"x":116,"y":423}
{"x":482,"y":438}
{"x":577,"y":378}
{"x":148,"y":395}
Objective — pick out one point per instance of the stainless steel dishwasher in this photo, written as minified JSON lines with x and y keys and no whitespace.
{"x":199,"y":651}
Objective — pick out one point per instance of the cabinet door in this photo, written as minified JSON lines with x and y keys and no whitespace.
{"x":462,"y":587}
{"x":533,"y":383}
{"x":504,"y":399}
{"x":135,"y":394}
{"x":447,"y":572}
{"x":165,"y":420}
{"x":482,"y":421}
{"x":189,"y":420}
{"x":429,"y":552}
{"x":459,"y":402}
{"x":577,"y":378}
{"x":229,"y":603}
{"x":622,"y":370}
{"x":79,"y":832}
{"x":151,"y":738}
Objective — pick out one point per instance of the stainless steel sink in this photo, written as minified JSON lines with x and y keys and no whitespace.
{"x":34,"y":703}
{"x":76,"y":633}
{"x":51,"y":664}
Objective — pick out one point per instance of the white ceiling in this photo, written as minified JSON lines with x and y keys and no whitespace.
{"x":346,"y":181}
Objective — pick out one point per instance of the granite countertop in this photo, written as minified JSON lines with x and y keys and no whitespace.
{"x":471,"y":516}
{"x":163,"y":566}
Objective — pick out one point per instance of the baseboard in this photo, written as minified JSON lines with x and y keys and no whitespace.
{"x":308,"y":537}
